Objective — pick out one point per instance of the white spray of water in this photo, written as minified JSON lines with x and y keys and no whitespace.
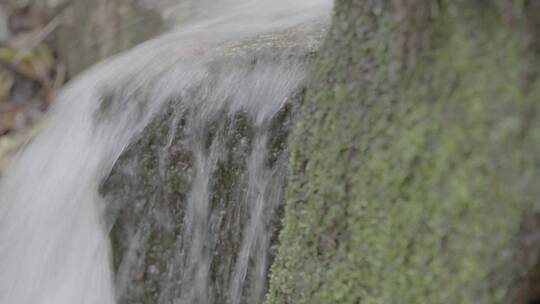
{"x":53,"y":246}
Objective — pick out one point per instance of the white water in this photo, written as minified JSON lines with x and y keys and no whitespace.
{"x":54,"y":248}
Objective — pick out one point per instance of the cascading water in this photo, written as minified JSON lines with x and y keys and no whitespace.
{"x":207,"y":101}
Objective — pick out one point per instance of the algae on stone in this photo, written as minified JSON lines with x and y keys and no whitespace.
{"x":414,"y":174}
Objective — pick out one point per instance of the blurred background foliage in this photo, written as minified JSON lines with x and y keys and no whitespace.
{"x":30,"y":70}
{"x":44,"y":43}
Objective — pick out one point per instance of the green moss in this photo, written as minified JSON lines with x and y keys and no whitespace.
{"x":416,"y":160}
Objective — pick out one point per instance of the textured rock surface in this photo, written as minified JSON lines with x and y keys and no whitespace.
{"x":149,"y":253}
{"x":242,"y":152}
{"x":414,"y":177}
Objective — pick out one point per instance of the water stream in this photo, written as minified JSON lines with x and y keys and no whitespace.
{"x":234,"y":60}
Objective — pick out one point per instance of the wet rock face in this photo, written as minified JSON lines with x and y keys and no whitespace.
{"x":193,"y":204}
{"x":155,"y":178}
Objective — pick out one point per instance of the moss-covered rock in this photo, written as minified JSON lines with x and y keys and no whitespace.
{"x":414,"y":175}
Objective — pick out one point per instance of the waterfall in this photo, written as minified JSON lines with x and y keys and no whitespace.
{"x":210,"y":96}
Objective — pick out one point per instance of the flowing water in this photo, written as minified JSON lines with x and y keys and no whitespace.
{"x":229,"y":60}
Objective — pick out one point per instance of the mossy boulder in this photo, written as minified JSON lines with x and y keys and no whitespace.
{"x":414,"y":175}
